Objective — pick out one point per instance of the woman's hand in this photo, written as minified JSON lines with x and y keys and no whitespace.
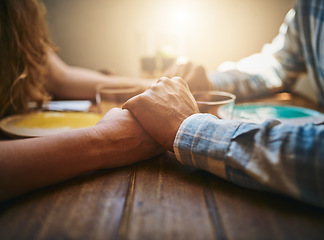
{"x":162,"y":108}
{"x":119,"y":132}
{"x":116,"y":140}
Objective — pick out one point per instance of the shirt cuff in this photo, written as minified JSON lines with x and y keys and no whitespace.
{"x":203,"y":141}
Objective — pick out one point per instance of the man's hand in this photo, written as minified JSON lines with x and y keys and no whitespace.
{"x":162,"y":108}
{"x":194,"y":75}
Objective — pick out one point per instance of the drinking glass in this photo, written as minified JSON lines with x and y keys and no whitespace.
{"x":218,"y":103}
{"x":109,"y":96}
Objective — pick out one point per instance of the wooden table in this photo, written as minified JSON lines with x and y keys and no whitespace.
{"x":158,"y":199}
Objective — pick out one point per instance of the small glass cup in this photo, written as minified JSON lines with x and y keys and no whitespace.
{"x":220,"y":104}
{"x":108,"y":96}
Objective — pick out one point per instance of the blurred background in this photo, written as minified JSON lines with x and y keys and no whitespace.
{"x":116,"y":34}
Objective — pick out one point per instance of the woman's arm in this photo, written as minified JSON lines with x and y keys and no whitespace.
{"x":67,"y":82}
{"x":28,"y":164}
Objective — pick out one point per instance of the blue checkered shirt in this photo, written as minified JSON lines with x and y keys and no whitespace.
{"x":271,"y":156}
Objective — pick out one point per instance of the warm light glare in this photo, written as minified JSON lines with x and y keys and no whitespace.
{"x":172,"y":23}
{"x":181,"y":17}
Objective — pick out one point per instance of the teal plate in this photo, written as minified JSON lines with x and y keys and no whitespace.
{"x":262,"y":112}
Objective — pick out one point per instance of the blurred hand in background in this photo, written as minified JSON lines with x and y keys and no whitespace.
{"x":194,"y":75}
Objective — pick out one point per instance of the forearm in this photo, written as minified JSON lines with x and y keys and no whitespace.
{"x":68,"y":82}
{"x":116,"y":140}
{"x":246,"y":83}
{"x":80,"y":83}
{"x":271,"y":156}
{"x":275,"y":68}
{"x":34,"y":163}
{"x":30,"y":164}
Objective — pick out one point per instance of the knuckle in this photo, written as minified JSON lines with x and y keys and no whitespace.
{"x":180,"y":80}
{"x":163,"y":79}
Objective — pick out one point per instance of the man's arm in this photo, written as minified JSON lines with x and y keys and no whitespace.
{"x":29,"y":164}
{"x":270,"y":156}
{"x":282,"y":158}
{"x":276,"y":68}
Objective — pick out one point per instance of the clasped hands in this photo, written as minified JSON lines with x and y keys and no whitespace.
{"x":148,"y":123}
{"x":162,"y":108}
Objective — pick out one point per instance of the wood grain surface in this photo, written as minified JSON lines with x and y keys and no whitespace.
{"x":156,"y":199}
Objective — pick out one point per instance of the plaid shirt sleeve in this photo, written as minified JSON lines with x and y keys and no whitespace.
{"x":272,"y":156}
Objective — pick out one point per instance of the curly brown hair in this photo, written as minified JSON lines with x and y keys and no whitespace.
{"x":24,"y":45}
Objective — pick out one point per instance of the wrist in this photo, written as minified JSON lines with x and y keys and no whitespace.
{"x":97,"y":146}
{"x":110,"y":150}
